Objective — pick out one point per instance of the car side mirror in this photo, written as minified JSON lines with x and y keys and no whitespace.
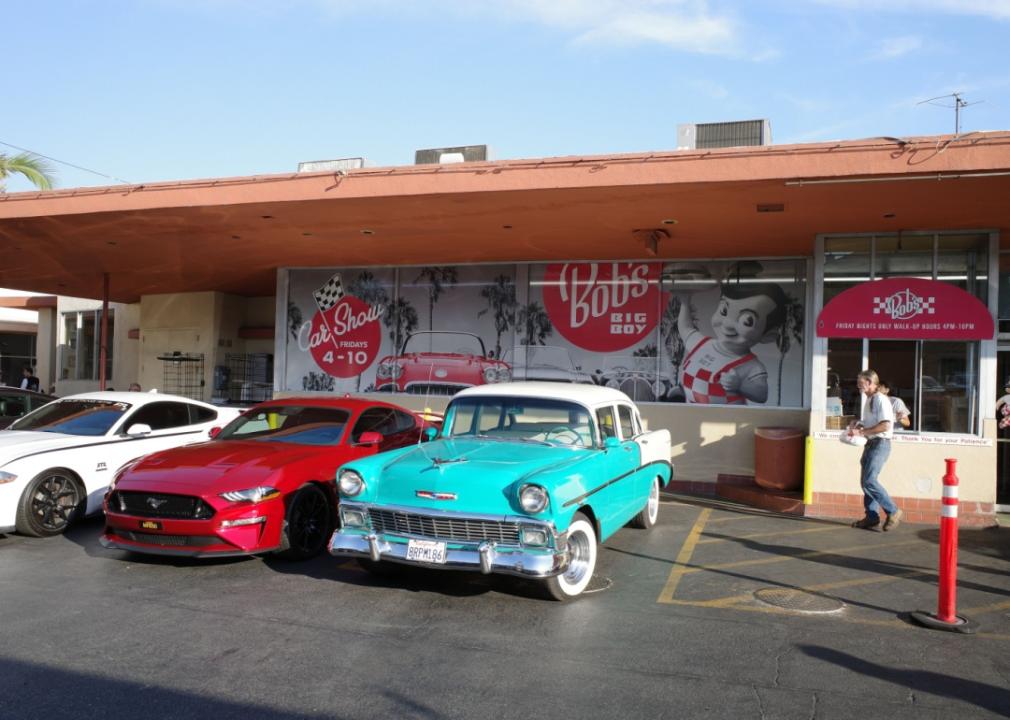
{"x":430,"y":433}
{"x":213,"y":432}
{"x":369,"y":438}
{"x":138,"y":430}
{"x":610,"y":443}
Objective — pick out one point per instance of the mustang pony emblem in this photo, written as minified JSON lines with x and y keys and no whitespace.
{"x":156,"y":503}
{"x":435,"y":495}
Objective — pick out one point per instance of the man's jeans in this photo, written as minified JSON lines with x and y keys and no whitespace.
{"x":875,"y":454}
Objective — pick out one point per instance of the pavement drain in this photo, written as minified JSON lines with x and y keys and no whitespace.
{"x":798,"y":600}
{"x":598,"y":583}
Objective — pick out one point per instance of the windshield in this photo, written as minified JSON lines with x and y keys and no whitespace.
{"x":74,"y":417}
{"x":444,"y":343}
{"x":555,"y":422}
{"x":289,"y":424}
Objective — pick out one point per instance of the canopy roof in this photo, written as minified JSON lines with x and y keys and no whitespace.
{"x":231,"y":234}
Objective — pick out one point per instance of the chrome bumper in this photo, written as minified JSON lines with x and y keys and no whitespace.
{"x":487,"y":557}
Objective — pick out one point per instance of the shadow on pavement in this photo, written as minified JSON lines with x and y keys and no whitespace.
{"x":990,"y":697}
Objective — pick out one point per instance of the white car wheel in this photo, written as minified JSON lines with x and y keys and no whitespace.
{"x":582,"y":548}
{"x":647,"y":517}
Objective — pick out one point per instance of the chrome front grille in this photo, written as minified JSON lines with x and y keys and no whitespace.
{"x":459,"y":528}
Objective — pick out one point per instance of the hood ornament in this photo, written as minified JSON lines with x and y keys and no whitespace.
{"x":431,"y":495}
{"x":437,"y":461}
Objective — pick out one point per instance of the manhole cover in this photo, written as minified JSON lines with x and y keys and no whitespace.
{"x":798,"y":600}
{"x":598,"y":583}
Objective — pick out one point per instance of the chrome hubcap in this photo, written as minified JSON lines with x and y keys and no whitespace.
{"x":654,"y":501}
{"x":580,"y":554}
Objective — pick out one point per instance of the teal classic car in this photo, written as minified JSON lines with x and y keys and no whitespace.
{"x":525,"y":479}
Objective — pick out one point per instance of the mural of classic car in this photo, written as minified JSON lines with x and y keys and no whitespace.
{"x":638,"y":377}
{"x":545,"y":362}
{"x":439,"y":363}
{"x":525,"y":479}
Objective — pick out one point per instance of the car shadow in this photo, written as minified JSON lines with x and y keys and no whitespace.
{"x":451,"y":583}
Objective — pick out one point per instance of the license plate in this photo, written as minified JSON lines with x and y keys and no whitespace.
{"x":427,"y":551}
{"x":150,"y":525}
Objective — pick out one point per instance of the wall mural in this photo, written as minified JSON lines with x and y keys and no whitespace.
{"x":704,"y":333}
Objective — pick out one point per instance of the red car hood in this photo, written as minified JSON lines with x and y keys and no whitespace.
{"x":223,"y":465}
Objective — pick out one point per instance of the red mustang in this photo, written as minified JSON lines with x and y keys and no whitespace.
{"x":265,"y":483}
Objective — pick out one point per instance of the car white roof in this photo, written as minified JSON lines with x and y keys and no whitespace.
{"x":591,"y":395}
{"x":134,"y":398}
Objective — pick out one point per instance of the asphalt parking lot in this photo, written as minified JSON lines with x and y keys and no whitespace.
{"x":674,"y":629}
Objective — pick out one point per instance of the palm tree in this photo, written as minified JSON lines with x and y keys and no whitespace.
{"x":371,"y":291}
{"x":501,"y":300}
{"x":438,"y":279}
{"x":294,"y":319}
{"x":791,"y":329}
{"x":535,"y":322}
{"x":38,"y":172}
{"x":401,"y":319}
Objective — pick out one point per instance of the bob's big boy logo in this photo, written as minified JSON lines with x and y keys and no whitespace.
{"x":603,"y":307}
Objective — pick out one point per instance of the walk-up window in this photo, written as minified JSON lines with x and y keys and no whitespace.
{"x":937,"y":378}
{"x":80,"y":349}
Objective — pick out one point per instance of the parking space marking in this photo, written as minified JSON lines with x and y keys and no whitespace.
{"x":683,"y":557}
{"x":786,"y":558}
{"x":833,"y":528}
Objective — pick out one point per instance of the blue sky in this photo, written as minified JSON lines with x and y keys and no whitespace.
{"x":149,"y":90}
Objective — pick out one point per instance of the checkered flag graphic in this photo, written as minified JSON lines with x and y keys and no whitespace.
{"x":329,"y":294}
{"x":878,"y":305}
{"x":927,"y":306}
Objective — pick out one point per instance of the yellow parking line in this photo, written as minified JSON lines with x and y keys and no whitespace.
{"x":780,"y":558}
{"x":734,"y":518}
{"x":774,"y":534}
{"x":683,"y":557}
{"x":984,"y":608}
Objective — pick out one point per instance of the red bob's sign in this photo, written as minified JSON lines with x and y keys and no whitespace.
{"x":906,"y":309}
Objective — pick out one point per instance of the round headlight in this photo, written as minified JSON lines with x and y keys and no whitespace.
{"x":351,"y":483}
{"x":490,"y":374}
{"x":533,"y":498}
{"x":504,"y":375}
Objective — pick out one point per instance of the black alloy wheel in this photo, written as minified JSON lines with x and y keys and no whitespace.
{"x":49,"y":504}
{"x":308,"y":524}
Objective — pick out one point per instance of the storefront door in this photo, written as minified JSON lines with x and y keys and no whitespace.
{"x":1003,"y":434}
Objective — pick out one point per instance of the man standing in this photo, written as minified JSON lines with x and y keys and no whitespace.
{"x":876,"y":425}
{"x":28,"y":379}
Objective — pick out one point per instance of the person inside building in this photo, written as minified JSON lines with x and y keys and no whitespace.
{"x":902,"y":415}
{"x":134,"y":387}
{"x":28,"y":379}
{"x":877,"y":426}
{"x":722,"y":370}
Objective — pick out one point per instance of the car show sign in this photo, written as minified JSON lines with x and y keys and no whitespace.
{"x":906,"y":308}
{"x":345,"y":333}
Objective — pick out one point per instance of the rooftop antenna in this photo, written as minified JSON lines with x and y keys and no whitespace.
{"x":959,"y":102}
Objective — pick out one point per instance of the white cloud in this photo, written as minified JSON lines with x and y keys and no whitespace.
{"x":710,"y":88}
{"x":898,"y":46}
{"x":996,"y":9}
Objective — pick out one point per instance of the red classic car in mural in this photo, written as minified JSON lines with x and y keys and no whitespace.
{"x":264,"y":484}
{"x":440,"y":363}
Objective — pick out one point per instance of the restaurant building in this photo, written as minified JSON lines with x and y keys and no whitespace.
{"x":725,"y":290}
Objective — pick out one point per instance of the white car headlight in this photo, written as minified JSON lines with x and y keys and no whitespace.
{"x":6,"y":477}
{"x":252,"y":495}
{"x":350,"y":483}
{"x":490,"y":374}
{"x":533,"y":499}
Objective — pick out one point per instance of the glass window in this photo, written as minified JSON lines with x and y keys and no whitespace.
{"x":74,"y":417}
{"x":80,"y":352}
{"x":199,"y":414}
{"x":937,"y":381}
{"x":1004,"y":293}
{"x":161,"y":415}
{"x":289,"y":424}
{"x":605,"y":417}
{"x":12,"y":405}
{"x":381,"y":420}
{"x":538,"y":420}
{"x":627,"y":424}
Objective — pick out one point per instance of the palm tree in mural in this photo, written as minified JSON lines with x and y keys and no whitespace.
{"x":791,"y":329}
{"x":533,"y":319}
{"x":401,"y":319}
{"x":501,"y":301}
{"x":371,"y":291}
{"x":294,"y":320}
{"x":673,"y":343}
{"x":33,"y":168}
{"x":438,"y":279}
